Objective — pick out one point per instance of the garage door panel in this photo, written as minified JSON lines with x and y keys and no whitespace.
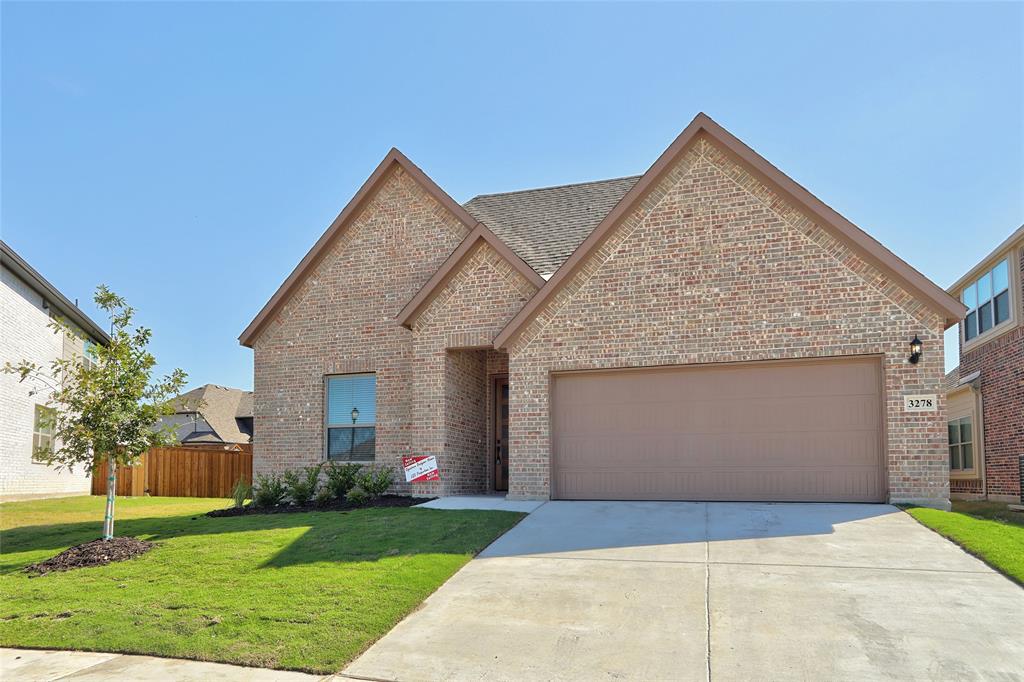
{"x":805,"y":430}
{"x":713,"y":415}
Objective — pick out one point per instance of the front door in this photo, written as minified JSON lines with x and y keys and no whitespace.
{"x":501,"y":433}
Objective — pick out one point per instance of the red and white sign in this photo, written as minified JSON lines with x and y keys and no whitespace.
{"x":420,"y":468}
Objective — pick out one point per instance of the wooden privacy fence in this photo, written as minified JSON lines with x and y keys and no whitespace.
{"x":180,"y":472}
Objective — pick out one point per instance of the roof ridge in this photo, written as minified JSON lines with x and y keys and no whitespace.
{"x":568,"y":184}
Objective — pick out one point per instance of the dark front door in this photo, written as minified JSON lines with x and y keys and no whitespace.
{"x":501,"y":434}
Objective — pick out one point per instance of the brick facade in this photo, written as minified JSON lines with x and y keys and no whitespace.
{"x":715,"y":267}
{"x":455,"y":368}
{"x":712,"y":266}
{"x":342,"y":320}
{"x":1001,"y":364}
{"x":25,"y":336}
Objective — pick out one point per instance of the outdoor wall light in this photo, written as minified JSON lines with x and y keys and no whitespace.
{"x":355,"y":410}
{"x":915,"y":350}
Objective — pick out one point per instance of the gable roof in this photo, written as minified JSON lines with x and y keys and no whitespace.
{"x":351,"y":210}
{"x":913,"y":281}
{"x":544,"y":226}
{"x":450,"y":267}
{"x":221,"y":407}
{"x":51,"y":295}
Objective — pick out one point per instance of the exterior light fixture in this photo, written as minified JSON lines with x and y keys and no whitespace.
{"x":915,"y":350}
{"x":355,"y":410}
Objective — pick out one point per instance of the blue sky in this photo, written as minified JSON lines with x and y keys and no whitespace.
{"x":189,"y":154}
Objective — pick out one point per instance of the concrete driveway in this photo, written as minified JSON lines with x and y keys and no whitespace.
{"x":723,"y":591}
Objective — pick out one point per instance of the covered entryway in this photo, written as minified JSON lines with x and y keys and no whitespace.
{"x":801,"y":430}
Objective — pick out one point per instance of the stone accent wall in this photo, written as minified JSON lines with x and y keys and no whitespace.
{"x":1001,"y":362}
{"x":453,"y":366}
{"x":25,"y":336}
{"x":342,"y":320}
{"x":713,"y":266}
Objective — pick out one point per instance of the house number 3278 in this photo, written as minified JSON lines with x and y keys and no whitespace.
{"x":920,"y":403}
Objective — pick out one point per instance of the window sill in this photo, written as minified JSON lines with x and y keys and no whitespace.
{"x":989,"y":335}
{"x":964,"y":475}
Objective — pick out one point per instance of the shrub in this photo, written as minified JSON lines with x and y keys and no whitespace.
{"x":324,"y":497}
{"x":270,"y":491}
{"x":241,"y":492}
{"x":341,"y":478}
{"x":376,"y":483}
{"x":357,"y":496}
{"x":302,"y":484}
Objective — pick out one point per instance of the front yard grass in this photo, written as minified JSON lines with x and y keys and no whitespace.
{"x":304,"y":591}
{"x":987,"y":530}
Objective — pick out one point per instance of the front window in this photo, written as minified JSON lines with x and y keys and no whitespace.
{"x":351,"y":417}
{"x":987,"y":301}
{"x":961,"y":445}
{"x":42,"y":433}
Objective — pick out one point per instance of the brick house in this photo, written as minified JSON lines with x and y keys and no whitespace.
{"x":28,"y":301}
{"x":985,"y":393}
{"x":708,"y":330}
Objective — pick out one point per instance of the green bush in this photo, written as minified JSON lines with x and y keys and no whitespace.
{"x":324,"y":497}
{"x":302,"y":484}
{"x":376,"y":483}
{"x":241,"y":492}
{"x":270,"y":491}
{"x":357,"y":496}
{"x":341,"y":478}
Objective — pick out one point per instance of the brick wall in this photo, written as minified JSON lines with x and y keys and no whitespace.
{"x":342,"y":320}
{"x":453,"y":369}
{"x":715,"y":267}
{"x":1001,"y":363}
{"x":26,"y":337}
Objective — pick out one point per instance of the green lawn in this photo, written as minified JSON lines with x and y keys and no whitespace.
{"x":987,"y":530}
{"x":295,"y":591}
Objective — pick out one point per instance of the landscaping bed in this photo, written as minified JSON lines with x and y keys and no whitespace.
{"x":331,"y":505}
{"x":96,"y":553}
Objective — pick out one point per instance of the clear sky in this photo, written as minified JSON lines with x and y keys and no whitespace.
{"x":188,"y":155}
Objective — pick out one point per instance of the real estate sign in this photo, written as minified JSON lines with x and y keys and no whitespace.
{"x":420,"y":468}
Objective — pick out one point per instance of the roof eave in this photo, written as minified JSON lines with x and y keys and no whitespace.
{"x":351,"y":210}
{"x":1005,"y":245}
{"x":451,"y":266}
{"x":917,"y":284}
{"x":20,"y":267}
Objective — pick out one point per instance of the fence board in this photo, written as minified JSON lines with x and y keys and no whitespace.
{"x":180,"y":472}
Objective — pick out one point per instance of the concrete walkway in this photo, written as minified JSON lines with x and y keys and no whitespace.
{"x":31,"y":665}
{"x":484,"y":502}
{"x":723,"y":591}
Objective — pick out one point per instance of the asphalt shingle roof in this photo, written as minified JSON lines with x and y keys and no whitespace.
{"x":544,"y":226}
{"x":222,"y":408}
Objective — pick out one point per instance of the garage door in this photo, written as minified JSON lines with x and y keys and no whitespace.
{"x":804,"y":430}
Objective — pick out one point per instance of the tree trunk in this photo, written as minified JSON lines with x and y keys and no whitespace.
{"x":108,"y":518}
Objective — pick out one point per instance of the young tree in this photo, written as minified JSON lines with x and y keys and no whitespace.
{"x":108,"y":409}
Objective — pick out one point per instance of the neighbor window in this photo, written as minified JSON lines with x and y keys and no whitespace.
{"x":42,"y":433}
{"x":961,"y":445}
{"x":987,"y":301}
{"x":89,"y":358}
{"x":351,"y":417}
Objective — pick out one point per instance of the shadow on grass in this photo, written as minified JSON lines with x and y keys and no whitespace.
{"x":354,"y":536}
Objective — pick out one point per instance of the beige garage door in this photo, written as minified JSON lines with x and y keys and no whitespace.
{"x":804,"y":430}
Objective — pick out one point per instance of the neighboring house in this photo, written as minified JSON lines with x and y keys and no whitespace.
{"x":985,"y":394}
{"x":27,"y":304}
{"x":706,"y":331}
{"x":211,"y":416}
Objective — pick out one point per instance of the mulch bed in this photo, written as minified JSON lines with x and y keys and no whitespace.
{"x":95,"y":553}
{"x":336,"y":505}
